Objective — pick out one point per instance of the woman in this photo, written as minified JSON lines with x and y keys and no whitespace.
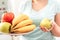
{"x":38,"y":10}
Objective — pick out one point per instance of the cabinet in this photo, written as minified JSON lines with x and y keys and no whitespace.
{"x":3,"y":7}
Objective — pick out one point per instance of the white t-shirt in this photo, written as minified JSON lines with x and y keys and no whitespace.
{"x":49,"y":11}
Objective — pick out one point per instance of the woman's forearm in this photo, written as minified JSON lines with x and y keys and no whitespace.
{"x":56,"y":31}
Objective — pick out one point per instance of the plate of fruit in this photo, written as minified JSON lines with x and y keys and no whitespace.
{"x":18,"y":25}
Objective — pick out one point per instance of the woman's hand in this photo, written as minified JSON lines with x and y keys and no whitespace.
{"x":45,"y":29}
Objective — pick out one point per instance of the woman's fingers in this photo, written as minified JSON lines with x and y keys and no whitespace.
{"x":44,"y":29}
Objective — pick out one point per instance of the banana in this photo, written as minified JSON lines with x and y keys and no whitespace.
{"x":18,"y":19}
{"x":24,"y":23}
{"x":25,"y":29}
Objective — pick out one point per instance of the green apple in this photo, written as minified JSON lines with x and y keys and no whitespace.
{"x":4,"y":27}
{"x":46,"y":23}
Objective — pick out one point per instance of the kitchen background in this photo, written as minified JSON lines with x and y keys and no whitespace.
{"x":3,"y":7}
{"x":13,"y":6}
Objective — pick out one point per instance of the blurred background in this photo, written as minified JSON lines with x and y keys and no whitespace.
{"x":13,"y":6}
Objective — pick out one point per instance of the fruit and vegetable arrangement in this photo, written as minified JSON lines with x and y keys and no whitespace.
{"x":19,"y":24}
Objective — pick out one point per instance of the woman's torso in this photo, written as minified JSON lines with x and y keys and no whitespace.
{"x":49,"y":12}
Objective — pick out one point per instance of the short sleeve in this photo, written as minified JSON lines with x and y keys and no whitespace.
{"x":58,"y":6}
{"x":21,"y":6}
{"x":25,"y":5}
